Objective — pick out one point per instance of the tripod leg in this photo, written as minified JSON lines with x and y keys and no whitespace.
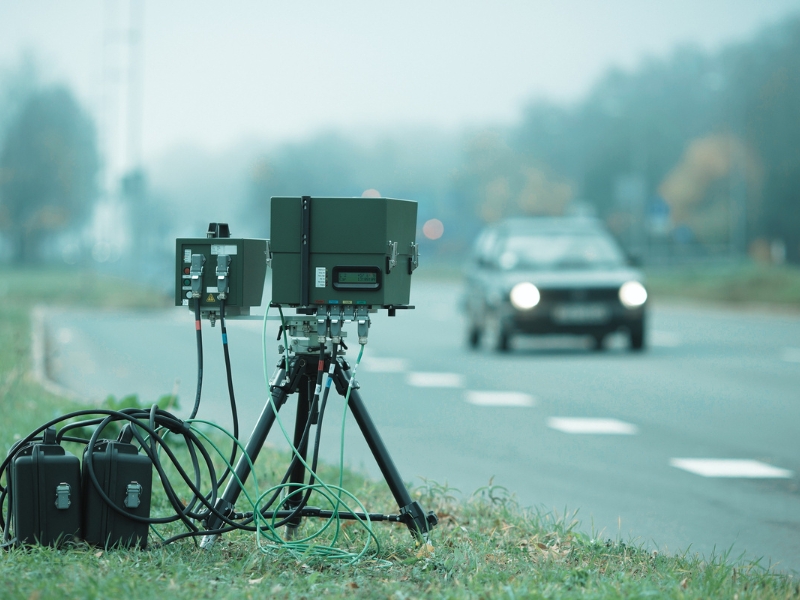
{"x":226,"y":502}
{"x":414,"y":516}
{"x":298,"y":474}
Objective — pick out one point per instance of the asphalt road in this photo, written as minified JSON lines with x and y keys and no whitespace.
{"x":714,"y":384}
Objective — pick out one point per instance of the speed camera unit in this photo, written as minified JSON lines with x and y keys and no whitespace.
{"x":346,"y":251}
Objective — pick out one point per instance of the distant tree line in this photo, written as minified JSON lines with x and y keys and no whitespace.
{"x":48,"y":161}
{"x":698,"y":147}
{"x":707,"y":134}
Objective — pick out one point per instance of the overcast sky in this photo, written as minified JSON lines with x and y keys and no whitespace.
{"x":217,"y":72}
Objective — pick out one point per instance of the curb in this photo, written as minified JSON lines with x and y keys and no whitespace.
{"x":40,"y":355}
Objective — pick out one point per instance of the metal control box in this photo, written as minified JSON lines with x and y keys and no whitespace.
{"x":349,"y":251}
{"x":245,"y":263}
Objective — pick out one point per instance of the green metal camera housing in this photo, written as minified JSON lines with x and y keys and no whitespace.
{"x":347,"y":251}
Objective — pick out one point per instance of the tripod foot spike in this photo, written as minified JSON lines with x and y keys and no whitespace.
{"x":418,"y":523}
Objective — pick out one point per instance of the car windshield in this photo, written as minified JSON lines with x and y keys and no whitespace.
{"x":558,"y":251}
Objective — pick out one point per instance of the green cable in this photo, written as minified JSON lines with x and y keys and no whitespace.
{"x":323,"y":489}
{"x":344,"y":414}
{"x":223,"y":456}
{"x":298,"y":547}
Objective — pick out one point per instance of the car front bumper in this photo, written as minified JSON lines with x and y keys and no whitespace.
{"x":572,"y":317}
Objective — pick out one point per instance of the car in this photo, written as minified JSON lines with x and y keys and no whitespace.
{"x":552,"y":275}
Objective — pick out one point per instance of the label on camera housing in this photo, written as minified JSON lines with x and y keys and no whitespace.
{"x":322,"y":277}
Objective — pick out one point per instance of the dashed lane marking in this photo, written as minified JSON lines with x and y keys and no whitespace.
{"x":724,"y":467}
{"x":384,"y":365}
{"x":791,"y":355}
{"x":436,"y":380}
{"x":499,"y":398}
{"x":591,"y":426}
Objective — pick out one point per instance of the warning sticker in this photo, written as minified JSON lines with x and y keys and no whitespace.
{"x":322,"y":276}
{"x":211,"y":298}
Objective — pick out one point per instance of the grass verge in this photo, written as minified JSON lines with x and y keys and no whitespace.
{"x":486,"y":545}
{"x":744,"y":283}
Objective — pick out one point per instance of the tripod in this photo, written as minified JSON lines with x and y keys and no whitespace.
{"x":299,"y":373}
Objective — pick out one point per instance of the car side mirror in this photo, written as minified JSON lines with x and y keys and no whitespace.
{"x":634,"y":260}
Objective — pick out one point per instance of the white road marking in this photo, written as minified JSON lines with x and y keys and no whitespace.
{"x":439,"y":380}
{"x":384,"y":365}
{"x":791,"y":355}
{"x":665,"y":339}
{"x":499,"y":398}
{"x":591,"y":426}
{"x":722,"y":467}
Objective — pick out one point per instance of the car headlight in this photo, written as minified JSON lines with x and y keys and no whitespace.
{"x":632,"y":294}
{"x":524,"y":296}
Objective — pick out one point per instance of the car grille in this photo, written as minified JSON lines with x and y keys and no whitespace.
{"x":580,"y":295}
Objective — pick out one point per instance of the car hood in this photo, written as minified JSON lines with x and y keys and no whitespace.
{"x":572,"y":278}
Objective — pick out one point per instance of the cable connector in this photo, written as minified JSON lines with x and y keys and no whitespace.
{"x":196,"y":274}
{"x":322,"y":324}
{"x":223,"y":269}
{"x":336,"y":327}
{"x":362,"y":318}
{"x":348,"y":313}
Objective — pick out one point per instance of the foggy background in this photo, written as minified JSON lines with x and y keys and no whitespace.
{"x":127,"y":123}
{"x":124,"y":124}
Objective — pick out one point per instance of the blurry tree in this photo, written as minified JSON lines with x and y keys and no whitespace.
{"x":665,"y":124}
{"x":713,"y":137}
{"x":412,"y":165}
{"x":48,"y":168}
{"x":495,"y":181}
{"x":17,"y":84}
{"x":698,"y":188}
{"x":767,"y":75}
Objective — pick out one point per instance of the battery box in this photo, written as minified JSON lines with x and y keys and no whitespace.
{"x":45,"y":493}
{"x":342,"y":251}
{"x":126,"y":478}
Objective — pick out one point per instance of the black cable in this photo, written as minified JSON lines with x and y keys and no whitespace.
{"x":6,"y":531}
{"x":322,"y":406}
{"x":172,"y":496}
{"x":307,"y":493}
{"x":150,"y":428}
{"x":318,"y":432}
{"x":234,"y":413}
{"x":136,"y":418}
{"x":199,"y":358}
{"x":278,"y":488}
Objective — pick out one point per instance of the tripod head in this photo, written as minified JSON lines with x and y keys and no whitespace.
{"x":306,"y":333}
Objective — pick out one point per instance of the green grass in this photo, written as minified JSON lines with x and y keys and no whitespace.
{"x":485,"y":546}
{"x":744,"y":283}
